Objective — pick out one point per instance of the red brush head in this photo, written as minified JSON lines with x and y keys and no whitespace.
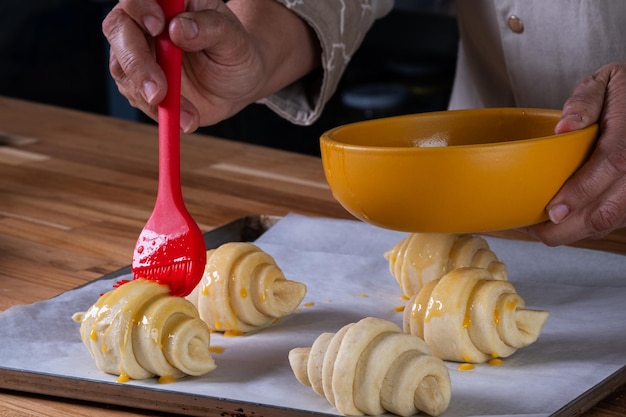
{"x":169,"y":261}
{"x":181,"y":277}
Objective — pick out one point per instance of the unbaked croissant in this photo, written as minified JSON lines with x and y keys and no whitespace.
{"x":467,"y":316}
{"x":423,"y":257}
{"x":243,"y":289}
{"x":138,"y":331}
{"x":371,"y":367}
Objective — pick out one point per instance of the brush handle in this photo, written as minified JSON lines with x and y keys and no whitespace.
{"x":169,"y":57}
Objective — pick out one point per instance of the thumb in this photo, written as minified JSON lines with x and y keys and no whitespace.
{"x":584,"y":106}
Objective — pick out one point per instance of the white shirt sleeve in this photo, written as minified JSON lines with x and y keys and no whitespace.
{"x":340,"y":26}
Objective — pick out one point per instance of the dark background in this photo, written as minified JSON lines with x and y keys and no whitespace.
{"x":53,"y":51}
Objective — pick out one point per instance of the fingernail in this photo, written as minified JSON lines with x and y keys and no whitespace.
{"x":150,"y":90}
{"x":186,"y":120}
{"x":190,"y":28}
{"x":152,"y":24}
{"x":558,"y":213}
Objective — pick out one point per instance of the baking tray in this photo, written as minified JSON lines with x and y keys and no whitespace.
{"x":244,"y":229}
{"x":141,"y":397}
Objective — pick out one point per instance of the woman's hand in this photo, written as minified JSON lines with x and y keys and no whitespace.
{"x":592,"y":203}
{"x":231,"y":55}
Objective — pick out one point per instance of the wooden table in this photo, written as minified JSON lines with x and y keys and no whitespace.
{"x":76,"y":189}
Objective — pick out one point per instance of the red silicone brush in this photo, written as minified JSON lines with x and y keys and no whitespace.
{"x":170,"y":248}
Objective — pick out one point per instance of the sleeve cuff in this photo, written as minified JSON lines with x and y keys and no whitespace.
{"x":340,"y":28}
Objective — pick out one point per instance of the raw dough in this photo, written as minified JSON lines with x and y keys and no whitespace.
{"x":424,"y":257}
{"x":138,"y":331}
{"x":371,"y":367}
{"x":468,"y":316}
{"x":243,"y":289}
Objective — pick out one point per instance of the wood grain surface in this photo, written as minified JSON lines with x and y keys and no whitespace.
{"x":76,"y":189}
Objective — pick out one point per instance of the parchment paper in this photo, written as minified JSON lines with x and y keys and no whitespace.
{"x":342,"y":264}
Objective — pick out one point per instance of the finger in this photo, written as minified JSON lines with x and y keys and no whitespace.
{"x":130,"y":91}
{"x":588,"y":204}
{"x":189,"y":116}
{"x":214,"y":27}
{"x":189,"y":119}
{"x":586,"y":185}
{"x":134,"y":57}
{"x":584,"y":106}
{"x":605,"y":215}
{"x":588,"y":216}
{"x":146,"y":13}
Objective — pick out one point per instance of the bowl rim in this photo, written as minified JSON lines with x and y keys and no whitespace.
{"x":326,"y":137}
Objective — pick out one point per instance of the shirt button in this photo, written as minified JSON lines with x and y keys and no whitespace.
{"x":515,"y":24}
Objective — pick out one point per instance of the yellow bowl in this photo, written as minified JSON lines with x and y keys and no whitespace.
{"x":458,"y":171}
